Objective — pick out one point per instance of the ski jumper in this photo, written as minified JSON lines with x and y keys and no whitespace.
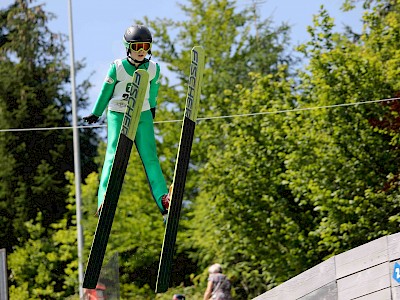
{"x":114,"y":94}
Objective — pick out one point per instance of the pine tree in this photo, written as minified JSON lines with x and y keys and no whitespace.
{"x":33,"y":94}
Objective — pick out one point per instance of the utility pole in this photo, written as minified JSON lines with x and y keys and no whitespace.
{"x":3,"y":275}
{"x":77,"y":154}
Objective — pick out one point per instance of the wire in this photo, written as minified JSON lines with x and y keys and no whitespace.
{"x":298,"y":109}
{"x":211,"y":118}
{"x":50,"y":128}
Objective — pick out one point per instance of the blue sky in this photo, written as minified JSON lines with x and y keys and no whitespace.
{"x":99,"y":25}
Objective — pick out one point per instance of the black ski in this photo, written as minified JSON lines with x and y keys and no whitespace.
{"x":181,"y":167}
{"x":124,"y":147}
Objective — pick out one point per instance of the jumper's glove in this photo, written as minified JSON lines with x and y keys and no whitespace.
{"x":153,"y":112}
{"x":91,"y":118}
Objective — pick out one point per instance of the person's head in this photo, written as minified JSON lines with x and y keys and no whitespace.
{"x":178,"y":297}
{"x":137,"y":41}
{"x":215,"y":268}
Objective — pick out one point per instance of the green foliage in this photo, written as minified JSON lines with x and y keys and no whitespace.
{"x":352,"y":157}
{"x":268,"y":195}
{"x":33,"y":94}
{"x":46,"y":265}
{"x":281,"y":193}
{"x":233,"y":49}
{"x":246,"y":218}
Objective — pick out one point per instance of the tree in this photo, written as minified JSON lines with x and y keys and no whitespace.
{"x":34,"y":161}
{"x":245,"y":216}
{"x":233,"y":49}
{"x":355,"y":159}
{"x":230,"y":44}
{"x":268,"y":195}
{"x":281,"y":193}
{"x":46,"y":265}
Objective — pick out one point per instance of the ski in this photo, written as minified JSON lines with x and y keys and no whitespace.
{"x":124,"y":147}
{"x":181,"y":167}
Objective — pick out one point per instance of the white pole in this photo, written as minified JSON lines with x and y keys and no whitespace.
{"x":77,"y":160}
{"x":3,"y":275}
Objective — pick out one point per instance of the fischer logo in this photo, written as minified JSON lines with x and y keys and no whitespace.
{"x":192,"y":84}
{"x":134,"y":89}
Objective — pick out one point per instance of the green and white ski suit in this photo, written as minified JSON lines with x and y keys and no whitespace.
{"x":114,"y":94}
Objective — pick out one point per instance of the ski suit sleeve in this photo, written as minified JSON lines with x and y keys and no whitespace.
{"x":106,"y":91}
{"x":154,"y":86}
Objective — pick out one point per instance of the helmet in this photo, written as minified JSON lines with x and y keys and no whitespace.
{"x":137,"y":33}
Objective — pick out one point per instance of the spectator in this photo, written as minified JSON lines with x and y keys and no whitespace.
{"x":219,"y":286}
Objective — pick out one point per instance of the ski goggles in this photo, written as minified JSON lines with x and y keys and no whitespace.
{"x":145,"y":46}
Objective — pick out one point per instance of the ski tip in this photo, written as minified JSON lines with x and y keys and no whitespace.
{"x":198,"y":48}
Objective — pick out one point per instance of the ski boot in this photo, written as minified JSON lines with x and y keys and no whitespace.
{"x":166,"y":199}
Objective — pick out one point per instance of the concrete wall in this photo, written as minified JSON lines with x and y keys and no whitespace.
{"x":364,"y":273}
